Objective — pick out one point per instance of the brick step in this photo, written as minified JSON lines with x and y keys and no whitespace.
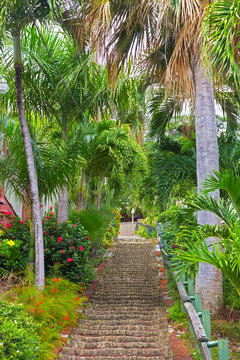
{"x":105,"y":344}
{"x":120,"y":322}
{"x":121,"y":312}
{"x":115,"y":351}
{"x":118,"y":338}
{"x":136,"y":333}
{"x":118,"y":298}
{"x":117,"y":357}
{"x":114,"y":317}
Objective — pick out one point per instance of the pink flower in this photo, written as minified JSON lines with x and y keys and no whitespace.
{"x":45,"y":232}
{"x":173,"y":246}
{"x":62,"y":251}
{"x":73,"y":225}
{"x":87,"y":237}
{"x":52,"y":212}
{"x":42,"y":221}
{"x":21,"y":222}
{"x":81,"y":248}
{"x":70,"y":260}
{"x":51,"y":207}
{"x":73,"y":247}
{"x":48,"y":217}
{"x":8,"y":225}
{"x":41,"y":205}
{"x":8,"y":213}
{"x":60,"y":239}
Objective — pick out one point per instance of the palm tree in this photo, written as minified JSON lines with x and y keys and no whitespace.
{"x":135,"y":26}
{"x":15,"y":17}
{"x":221,"y":30}
{"x":225,"y":254}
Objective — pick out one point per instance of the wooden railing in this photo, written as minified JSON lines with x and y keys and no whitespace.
{"x":191,"y":304}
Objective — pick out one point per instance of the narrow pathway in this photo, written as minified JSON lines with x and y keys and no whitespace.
{"x":125,"y":318}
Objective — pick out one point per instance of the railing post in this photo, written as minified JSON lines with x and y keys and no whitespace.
{"x":191,"y":290}
{"x":206,"y":321}
{"x":223,"y":353}
{"x":198,"y":303}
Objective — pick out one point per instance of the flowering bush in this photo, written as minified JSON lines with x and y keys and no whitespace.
{"x":19,"y":334}
{"x":15,"y":240}
{"x":67,"y":245}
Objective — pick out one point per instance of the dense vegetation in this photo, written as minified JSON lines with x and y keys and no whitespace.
{"x":106,"y":106}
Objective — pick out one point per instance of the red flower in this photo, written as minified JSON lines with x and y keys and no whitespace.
{"x":73,"y":225}
{"x":87,"y":237}
{"x":8,"y":225}
{"x":48,"y":217}
{"x":62,"y":251}
{"x":41,"y":205}
{"x":52,"y":212}
{"x":73,"y":247}
{"x":173,"y":246}
{"x":45,"y":232}
{"x":45,"y":249}
{"x":56,"y":280}
{"x":8,"y":213}
{"x":42,"y":221}
{"x":70,"y":260}
{"x":21,"y":222}
{"x":51,"y":207}
{"x":81,"y":248}
{"x":59,"y":239}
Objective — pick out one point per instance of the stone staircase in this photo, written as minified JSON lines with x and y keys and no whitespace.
{"x":125,"y":318}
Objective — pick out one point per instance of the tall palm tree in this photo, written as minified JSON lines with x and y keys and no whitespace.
{"x":133,"y":27}
{"x":15,"y":17}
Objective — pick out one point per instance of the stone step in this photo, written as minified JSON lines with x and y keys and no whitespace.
{"x":117,"y":357}
{"x":116,"y":351}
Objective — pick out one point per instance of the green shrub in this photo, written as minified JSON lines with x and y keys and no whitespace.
{"x":94,"y":221}
{"x":19,"y":334}
{"x":67,"y":245}
{"x":15,"y":240}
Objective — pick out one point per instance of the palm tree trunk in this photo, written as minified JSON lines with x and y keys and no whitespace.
{"x":63,"y":205}
{"x":81,"y":191}
{"x":100,"y":189}
{"x":87,"y":179}
{"x":36,"y":212}
{"x":209,"y":281}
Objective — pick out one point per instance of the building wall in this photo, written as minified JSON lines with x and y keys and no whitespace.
{"x":5,"y":207}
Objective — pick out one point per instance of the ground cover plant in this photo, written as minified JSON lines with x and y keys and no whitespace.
{"x":41,"y":317}
{"x":20,"y":334}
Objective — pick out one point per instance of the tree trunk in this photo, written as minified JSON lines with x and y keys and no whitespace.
{"x":81,"y":191}
{"x":36,"y":211}
{"x":100,"y":188}
{"x":63,"y":205}
{"x":87,"y":179}
{"x":209,"y":281}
